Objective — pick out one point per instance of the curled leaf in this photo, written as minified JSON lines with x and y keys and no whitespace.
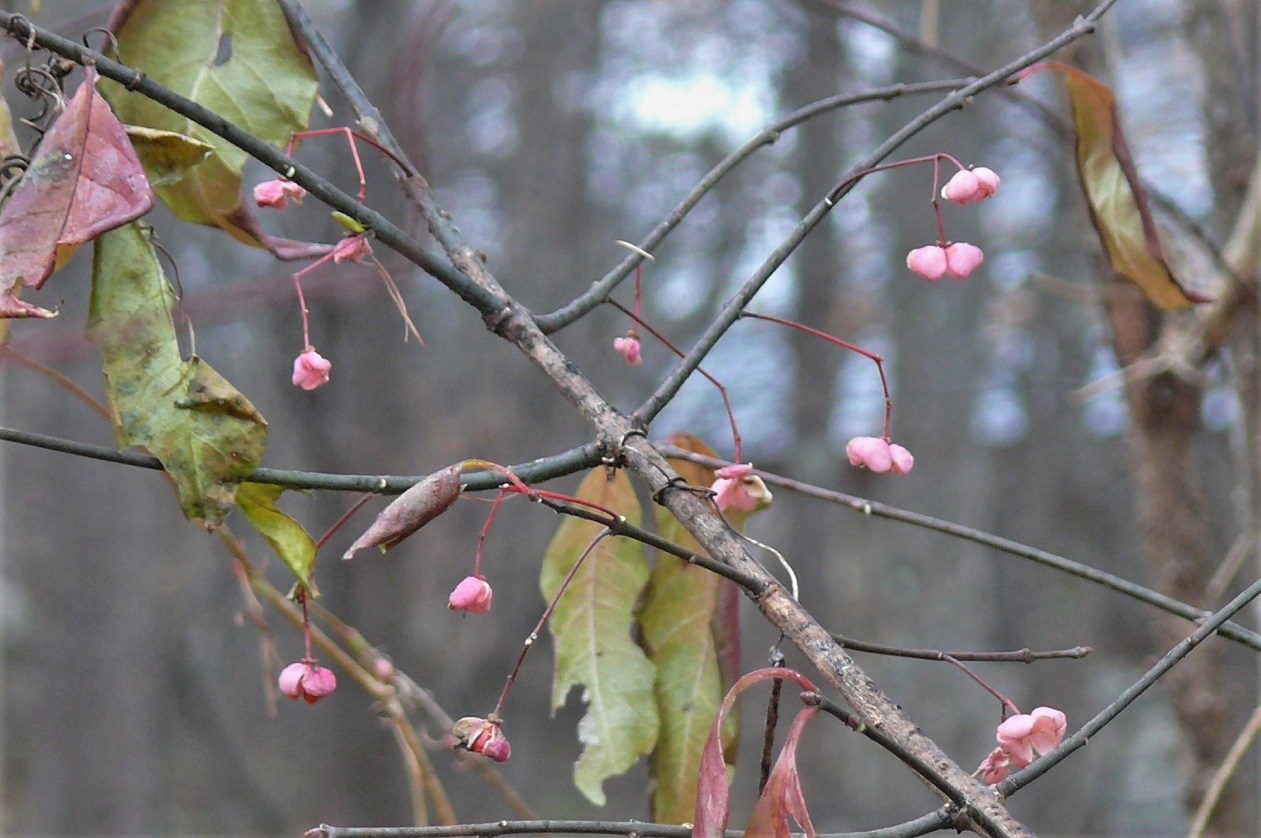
{"x":713,"y":805}
{"x":166,"y":155}
{"x":411,"y":510}
{"x":782,"y":795}
{"x":206,"y":433}
{"x":1117,"y":202}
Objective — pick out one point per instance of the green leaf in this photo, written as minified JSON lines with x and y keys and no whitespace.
{"x":592,"y":630}
{"x":166,"y":155}
{"x":678,"y":620}
{"x":285,"y":535}
{"x":235,"y":57}
{"x":1118,"y":205}
{"x":206,"y":433}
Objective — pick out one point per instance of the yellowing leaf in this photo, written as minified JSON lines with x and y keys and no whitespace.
{"x":166,"y":155}
{"x":237,"y":58}
{"x":206,"y":433}
{"x":592,"y":630}
{"x":286,"y":536}
{"x":677,"y":620}
{"x":1118,"y":205}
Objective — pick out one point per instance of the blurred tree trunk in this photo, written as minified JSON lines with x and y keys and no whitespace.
{"x":1174,"y":515}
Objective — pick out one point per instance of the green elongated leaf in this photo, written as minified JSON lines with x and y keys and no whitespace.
{"x":206,"y":433}
{"x":237,"y":58}
{"x":1117,"y":202}
{"x":679,"y":621}
{"x":286,"y":536}
{"x":592,"y":630}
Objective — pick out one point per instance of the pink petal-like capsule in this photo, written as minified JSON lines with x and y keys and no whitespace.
{"x":276,"y":193}
{"x":473,"y":594}
{"x":963,"y":188}
{"x":738,"y":489}
{"x":307,"y":680}
{"x":929,"y":261}
{"x":902,"y":460}
{"x":1040,"y":731}
{"x":870,"y":452}
{"x":352,"y":249}
{"x":962,"y":259}
{"x":994,"y":767}
{"x":629,"y":347}
{"x":1049,"y":726}
{"x":988,"y":181}
{"x":310,"y":370}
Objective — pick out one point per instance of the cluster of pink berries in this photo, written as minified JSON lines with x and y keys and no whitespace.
{"x":956,"y":259}
{"x":1021,"y":739}
{"x":879,"y":454}
{"x":310,"y":368}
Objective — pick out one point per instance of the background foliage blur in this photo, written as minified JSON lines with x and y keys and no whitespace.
{"x":133,"y":699}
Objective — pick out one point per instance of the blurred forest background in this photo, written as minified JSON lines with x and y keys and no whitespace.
{"x":133,"y":699}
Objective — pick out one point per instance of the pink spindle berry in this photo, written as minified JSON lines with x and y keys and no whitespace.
{"x":629,"y":347}
{"x":473,"y":594}
{"x":310,"y":370}
{"x":879,"y":455}
{"x":352,"y":249}
{"x":307,"y":680}
{"x":929,"y":261}
{"x":276,"y":193}
{"x":482,"y":736}
{"x":869,"y":452}
{"x":971,"y":185}
{"x":737,"y":489}
{"x":994,"y":767}
{"x":962,"y":259}
{"x":1024,"y":736}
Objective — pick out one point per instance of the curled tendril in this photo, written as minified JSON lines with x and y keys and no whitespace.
{"x":43,"y":85}
{"x":11,"y":170}
{"x":109,"y":43}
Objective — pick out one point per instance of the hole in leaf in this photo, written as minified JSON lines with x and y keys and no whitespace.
{"x":224,"y":55}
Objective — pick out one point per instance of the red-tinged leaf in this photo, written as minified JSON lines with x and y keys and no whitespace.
{"x":712,"y":793}
{"x":691,"y":639}
{"x":84,"y":180}
{"x":238,"y":58}
{"x":411,"y":510}
{"x":1117,"y":202}
{"x":592,"y":627}
{"x":782,"y":795}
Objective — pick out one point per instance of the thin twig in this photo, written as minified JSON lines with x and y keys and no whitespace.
{"x":1018,"y":656}
{"x":736,"y":304}
{"x":1231,"y":631}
